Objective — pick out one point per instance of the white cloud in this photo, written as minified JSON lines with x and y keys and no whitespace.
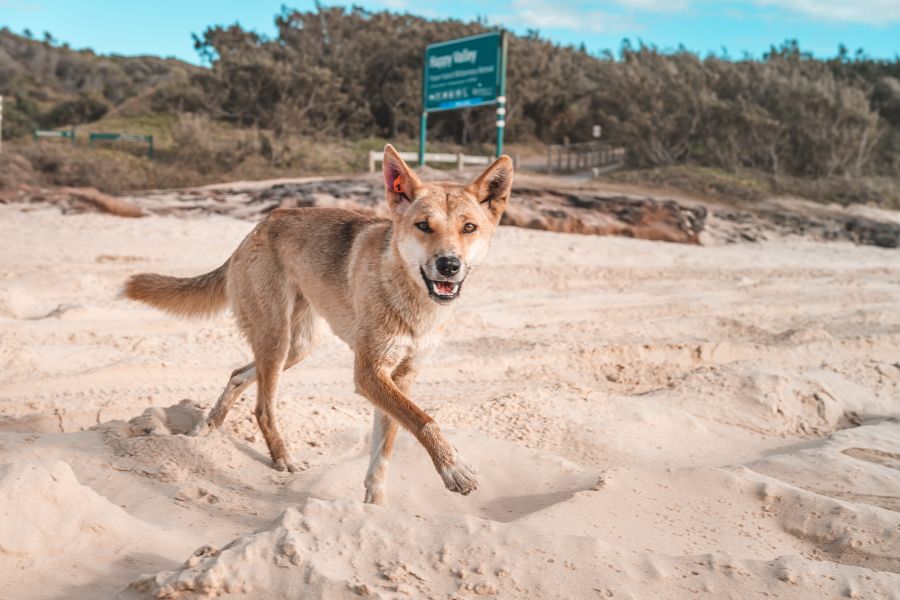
{"x":21,"y":6}
{"x":870,"y":12}
{"x":542,"y":14}
{"x":660,"y":6}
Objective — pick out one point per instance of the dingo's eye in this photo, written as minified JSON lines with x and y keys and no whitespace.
{"x":469,"y":228}
{"x":423,"y":225}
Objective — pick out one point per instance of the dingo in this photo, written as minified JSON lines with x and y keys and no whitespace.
{"x":385,"y":287}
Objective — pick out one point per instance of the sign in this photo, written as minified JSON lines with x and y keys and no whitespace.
{"x":462,"y":73}
{"x":45,"y":133}
{"x":120,"y":137}
{"x":50,"y":133}
{"x":123,"y":137}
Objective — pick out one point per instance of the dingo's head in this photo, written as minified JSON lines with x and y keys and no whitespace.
{"x":442,"y":230}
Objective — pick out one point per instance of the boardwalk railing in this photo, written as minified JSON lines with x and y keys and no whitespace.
{"x":460,"y":159}
{"x":587,"y":156}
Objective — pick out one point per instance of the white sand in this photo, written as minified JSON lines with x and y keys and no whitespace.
{"x":650,"y":420}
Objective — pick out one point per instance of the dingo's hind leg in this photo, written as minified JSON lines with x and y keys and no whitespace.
{"x":304,"y":335}
{"x":269,"y":363}
{"x":240,"y":380}
{"x":279,"y":347}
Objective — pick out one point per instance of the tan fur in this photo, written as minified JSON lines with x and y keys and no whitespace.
{"x":185,"y":296}
{"x":379,"y":284}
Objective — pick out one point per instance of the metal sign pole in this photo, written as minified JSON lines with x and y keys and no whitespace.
{"x":423,"y":129}
{"x":423,"y":122}
{"x":501,"y":98}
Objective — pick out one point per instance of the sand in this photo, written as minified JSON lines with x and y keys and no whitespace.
{"x":650,"y":420}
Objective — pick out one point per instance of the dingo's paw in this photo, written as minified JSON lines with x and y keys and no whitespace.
{"x":460,"y":477}
{"x":203,"y":428}
{"x":376,"y":495}
{"x":283,"y":464}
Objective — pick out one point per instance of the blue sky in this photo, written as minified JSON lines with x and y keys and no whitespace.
{"x":164,"y":27}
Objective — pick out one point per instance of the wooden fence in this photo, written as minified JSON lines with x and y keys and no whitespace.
{"x":460,"y":159}
{"x":587,"y":156}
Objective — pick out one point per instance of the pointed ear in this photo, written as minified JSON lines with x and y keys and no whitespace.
{"x":492,"y":188}
{"x":400,"y":182}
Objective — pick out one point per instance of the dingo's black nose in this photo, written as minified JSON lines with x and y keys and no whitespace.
{"x":447,"y":265}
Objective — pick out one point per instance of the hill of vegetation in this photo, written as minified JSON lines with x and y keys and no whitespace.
{"x":335,"y":82}
{"x":47,"y":85}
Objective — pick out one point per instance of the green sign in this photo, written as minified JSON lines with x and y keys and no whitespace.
{"x":51,"y":133}
{"x":120,"y":137}
{"x":462,"y":73}
{"x":123,"y":137}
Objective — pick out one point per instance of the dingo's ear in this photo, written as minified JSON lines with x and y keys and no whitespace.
{"x":492,"y":187}
{"x":399,"y":180}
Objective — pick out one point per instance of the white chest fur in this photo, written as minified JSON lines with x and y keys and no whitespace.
{"x":417,"y":348}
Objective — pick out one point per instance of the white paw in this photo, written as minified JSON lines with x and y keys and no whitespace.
{"x":283,"y":464}
{"x":376,"y":494}
{"x":460,"y":477}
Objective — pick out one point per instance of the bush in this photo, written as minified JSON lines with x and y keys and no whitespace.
{"x":350,"y":74}
{"x":83,"y":109}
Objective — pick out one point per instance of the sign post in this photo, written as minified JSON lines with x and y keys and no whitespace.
{"x":423,"y":128}
{"x":501,"y":98}
{"x":464,"y":73}
{"x":423,"y":123}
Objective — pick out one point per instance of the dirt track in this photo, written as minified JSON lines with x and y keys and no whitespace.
{"x":541,"y":202}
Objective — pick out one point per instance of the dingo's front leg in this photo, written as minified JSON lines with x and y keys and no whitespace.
{"x":458,"y":475}
{"x":384,"y":430}
{"x":375,"y":383}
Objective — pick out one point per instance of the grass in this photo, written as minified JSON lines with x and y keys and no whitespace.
{"x":195,"y":150}
{"x":748,"y":186}
{"x":159,"y":125}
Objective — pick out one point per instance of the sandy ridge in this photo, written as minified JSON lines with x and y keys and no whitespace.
{"x":657,"y":420}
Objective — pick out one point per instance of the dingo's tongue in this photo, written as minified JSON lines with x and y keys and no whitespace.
{"x":445,"y":288}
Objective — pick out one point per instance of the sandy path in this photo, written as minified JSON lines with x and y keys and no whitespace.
{"x":649,"y":419}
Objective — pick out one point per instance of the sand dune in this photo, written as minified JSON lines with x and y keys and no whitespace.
{"x":650,"y":420}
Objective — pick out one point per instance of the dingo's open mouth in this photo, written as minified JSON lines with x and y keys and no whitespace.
{"x":441,"y":291}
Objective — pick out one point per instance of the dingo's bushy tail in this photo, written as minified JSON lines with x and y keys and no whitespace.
{"x":198,"y":296}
